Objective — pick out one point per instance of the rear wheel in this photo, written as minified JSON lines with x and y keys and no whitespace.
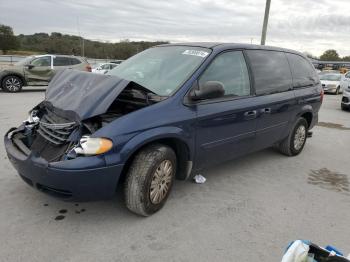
{"x":294,"y":143}
{"x":150,"y":179}
{"x":12,"y":84}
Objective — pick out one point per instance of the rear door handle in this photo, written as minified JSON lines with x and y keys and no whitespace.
{"x":250,"y":114}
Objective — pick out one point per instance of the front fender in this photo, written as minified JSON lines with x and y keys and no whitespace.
{"x":155,"y":134}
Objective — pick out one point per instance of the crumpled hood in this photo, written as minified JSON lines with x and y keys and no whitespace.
{"x":86,"y":94}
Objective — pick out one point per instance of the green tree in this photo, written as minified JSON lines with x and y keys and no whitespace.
{"x":346,"y":58}
{"x":7,"y":39}
{"x":330,"y":55}
{"x":309,"y":55}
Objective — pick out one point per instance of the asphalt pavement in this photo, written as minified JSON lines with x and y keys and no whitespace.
{"x":249,"y":209}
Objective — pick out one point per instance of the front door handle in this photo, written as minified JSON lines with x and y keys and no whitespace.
{"x":266,"y":110}
{"x":250,"y":114}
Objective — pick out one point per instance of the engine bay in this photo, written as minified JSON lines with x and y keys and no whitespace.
{"x":54,"y":136}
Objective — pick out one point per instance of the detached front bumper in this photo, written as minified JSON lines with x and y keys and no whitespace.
{"x":72,"y":180}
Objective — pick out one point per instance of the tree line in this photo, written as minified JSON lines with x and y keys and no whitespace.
{"x":57,"y":43}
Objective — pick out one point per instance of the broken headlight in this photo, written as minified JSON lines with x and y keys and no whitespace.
{"x":32,"y":117}
{"x":93,"y":146}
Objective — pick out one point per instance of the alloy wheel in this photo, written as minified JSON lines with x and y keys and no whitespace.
{"x":13,"y":84}
{"x":161,"y":181}
{"x":299,"y":137}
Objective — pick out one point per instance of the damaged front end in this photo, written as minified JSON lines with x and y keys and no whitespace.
{"x":55,"y":145}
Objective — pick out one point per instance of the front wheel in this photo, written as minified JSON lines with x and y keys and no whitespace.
{"x":294,"y":143}
{"x":150,"y":179}
{"x":12,"y":84}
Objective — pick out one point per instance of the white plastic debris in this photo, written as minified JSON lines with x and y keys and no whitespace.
{"x":297,"y":252}
{"x":199,"y":179}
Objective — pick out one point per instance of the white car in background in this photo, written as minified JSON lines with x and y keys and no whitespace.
{"x":104,"y":68}
{"x":345,"y":84}
{"x":331,"y":83}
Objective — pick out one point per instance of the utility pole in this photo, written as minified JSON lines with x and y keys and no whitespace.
{"x":82,"y":44}
{"x":266,"y":19}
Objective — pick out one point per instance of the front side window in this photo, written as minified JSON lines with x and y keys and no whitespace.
{"x":105,"y":67}
{"x":271,"y":71}
{"x":42,"y":61}
{"x":162,"y":70}
{"x":230,"y":69}
{"x":303,"y":72}
{"x":347,"y":75}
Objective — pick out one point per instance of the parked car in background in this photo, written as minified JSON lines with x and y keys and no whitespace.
{"x":331,"y":83}
{"x":167,"y":112}
{"x":118,"y":62}
{"x":38,"y":70}
{"x":345,"y":102}
{"x":104,"y":68}
{"x":328,"y":71}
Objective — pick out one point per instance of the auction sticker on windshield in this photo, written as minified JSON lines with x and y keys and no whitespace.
{"x":195,"y":52}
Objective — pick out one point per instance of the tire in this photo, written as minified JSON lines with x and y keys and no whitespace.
{"x":12,"y":84}
{"x":288,"y":146}
{"x":343,"y":107}
{"x":146,"y":177}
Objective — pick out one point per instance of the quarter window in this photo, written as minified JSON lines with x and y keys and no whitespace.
{"x":303,"y":72}
{"x":271,"y":71}
{"x":231,"y":70}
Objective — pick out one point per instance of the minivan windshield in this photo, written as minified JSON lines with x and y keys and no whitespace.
{"x":331,"y":77}
{"x":162,"y":69}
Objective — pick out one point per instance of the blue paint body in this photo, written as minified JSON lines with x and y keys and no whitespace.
{"x":213,"y":132}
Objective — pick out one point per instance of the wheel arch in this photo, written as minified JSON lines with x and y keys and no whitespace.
{"x":307,"y":113}
{"x":174,"y":140}
{"x":13,"y":74}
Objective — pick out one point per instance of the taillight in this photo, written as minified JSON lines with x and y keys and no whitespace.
{"x":322,"y":95}
{"x":88,"y":68}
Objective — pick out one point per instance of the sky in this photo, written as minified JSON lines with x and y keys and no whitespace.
{"x":305,"y":25}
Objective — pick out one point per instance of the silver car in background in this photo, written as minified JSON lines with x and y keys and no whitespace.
{"x":345,"y":83}
{"x":331,"y":83}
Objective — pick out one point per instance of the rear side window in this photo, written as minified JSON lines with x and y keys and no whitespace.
{"x":61,"y":61}
{"x":303,"y":72}
{"x":271,"y":71}
{"x":230,"y":69}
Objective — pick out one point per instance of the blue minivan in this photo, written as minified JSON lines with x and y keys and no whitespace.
{"x":164,"y":113}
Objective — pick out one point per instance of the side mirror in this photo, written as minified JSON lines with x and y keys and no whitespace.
{"x":209,"y":90}
{"x":29,"y":66}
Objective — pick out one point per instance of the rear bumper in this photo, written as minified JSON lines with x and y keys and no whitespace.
{"x":72,"y":183}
